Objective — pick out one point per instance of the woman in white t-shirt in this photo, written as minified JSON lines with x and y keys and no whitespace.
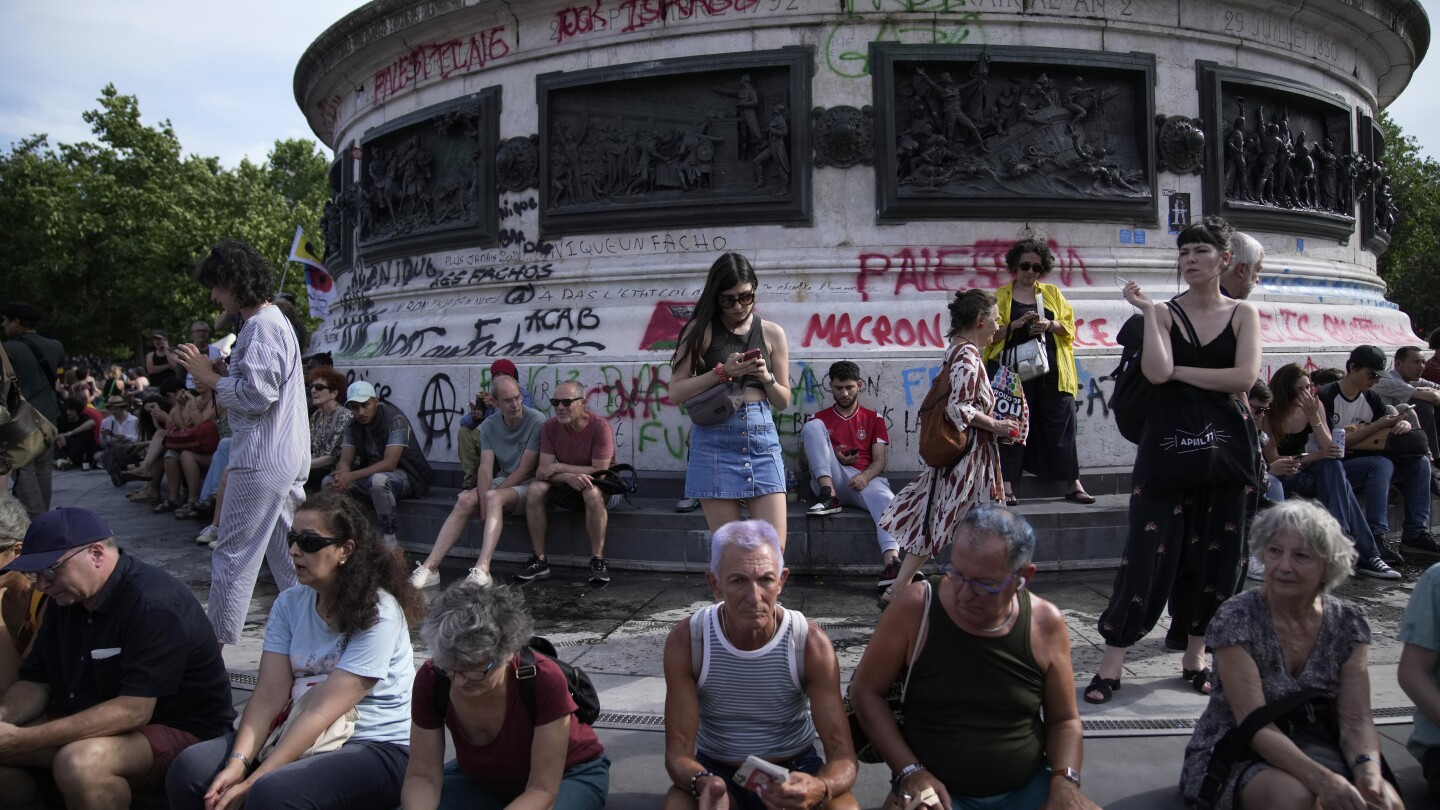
{"x":343,"y":632}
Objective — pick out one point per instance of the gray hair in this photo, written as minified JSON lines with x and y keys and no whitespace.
{"x":579,"y":387}
{"x":470,"y":624}
{"x":747,"y":534}
{"x":1014,"y":530}
{"x":1320,"y":531}
{"x":495,"y":383}
{"x":1245,"y":249}
{"x":14,"y":521}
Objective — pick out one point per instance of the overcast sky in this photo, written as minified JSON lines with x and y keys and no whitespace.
{"x":222,"y":72}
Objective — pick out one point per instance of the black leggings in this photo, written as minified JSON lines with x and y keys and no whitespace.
{"x":1050,"y":451}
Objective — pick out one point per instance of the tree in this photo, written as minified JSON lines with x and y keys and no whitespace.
{"x":102,"y":235}
{"x":1408,"y":265}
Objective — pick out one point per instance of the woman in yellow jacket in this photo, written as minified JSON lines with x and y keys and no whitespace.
{"x":1031,"y":310}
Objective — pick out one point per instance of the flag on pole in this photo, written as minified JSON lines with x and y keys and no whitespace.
{"x":318,"y":283}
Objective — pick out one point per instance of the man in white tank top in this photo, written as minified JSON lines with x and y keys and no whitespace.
{"x":747,"y":676}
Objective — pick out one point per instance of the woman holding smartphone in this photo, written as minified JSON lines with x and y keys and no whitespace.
{"x":738,"y":459}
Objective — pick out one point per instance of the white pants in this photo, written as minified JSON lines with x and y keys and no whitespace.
{"x":815,"y":438}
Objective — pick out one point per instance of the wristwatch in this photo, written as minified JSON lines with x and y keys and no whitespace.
{"x":1069,"y":774}
{"x":1361,"y":759}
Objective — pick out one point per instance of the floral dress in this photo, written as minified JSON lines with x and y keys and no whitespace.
{"x":975,"y":480}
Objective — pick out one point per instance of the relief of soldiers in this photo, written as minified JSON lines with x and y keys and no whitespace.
{"x":776,"y":149}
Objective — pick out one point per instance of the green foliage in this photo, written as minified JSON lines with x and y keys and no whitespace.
{"x":102,"y":235}
{"x":1408,"y":265}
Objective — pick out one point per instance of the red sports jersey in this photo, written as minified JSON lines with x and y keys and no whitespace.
{"x":860,"y":431}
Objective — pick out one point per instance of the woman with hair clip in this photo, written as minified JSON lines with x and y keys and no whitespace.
{"x":725,"y":339}
{"x":924,"y":515}
{"x":343,"y":632}
{"x":1185,"y":547}
{"x":264,"y":396}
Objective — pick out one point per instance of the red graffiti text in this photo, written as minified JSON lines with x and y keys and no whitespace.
{"x":439,"y":61}
{"x":571,"y":22}
{"x":954,"y":268}
{"x":873,"y":331}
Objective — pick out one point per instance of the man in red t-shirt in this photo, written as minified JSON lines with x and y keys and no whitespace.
{"x":845,"y":446}
{"x":574,"y":444}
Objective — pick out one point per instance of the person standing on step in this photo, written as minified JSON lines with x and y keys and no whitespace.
{"x":725,"y":341}
{"x":574,"y":445}
{"x":264,"y":398}
{"x":1185,"y":546}
{"x":925,"y":513}
{"x":1032,"y":312}
{"x":35,"y":358}
{"x":509,"y":452}
{"x":845,"y":446}
{"x":380,"y":459}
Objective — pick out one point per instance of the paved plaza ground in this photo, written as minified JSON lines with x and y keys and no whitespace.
{"x":1134,"y":745}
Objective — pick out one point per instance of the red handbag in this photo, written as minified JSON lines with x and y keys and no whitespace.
{"x":203,"y":438}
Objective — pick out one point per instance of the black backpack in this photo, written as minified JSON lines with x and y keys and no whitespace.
{"x":582,"y":691}
{"x":1134,"y":394}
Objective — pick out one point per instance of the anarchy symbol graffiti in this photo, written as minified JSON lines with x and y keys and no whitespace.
{"x":437,"y":409}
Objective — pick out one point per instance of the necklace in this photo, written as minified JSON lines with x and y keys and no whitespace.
{"x":1001,"y":626}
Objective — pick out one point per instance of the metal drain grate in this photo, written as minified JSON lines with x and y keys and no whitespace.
{"x":1398,"y":711}
{"x":645,"y":722}
{"x":242,"y":680}
{"x":1154,"y":724}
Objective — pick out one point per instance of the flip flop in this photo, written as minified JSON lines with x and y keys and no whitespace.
{"x":166,"y":505}
{"x":1107,"y":687}
{"x":1080,"y":496}
{"x":1011,"y":500}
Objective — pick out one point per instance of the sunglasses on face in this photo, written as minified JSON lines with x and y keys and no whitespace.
{"x":319,"y":387}
{"x":1023,"y":266}
{"x":1260,"y":410}
{"x":978,"y":588}
{"x":744,"y":299}
{"x":311,"y":542}
{"x":469,"y":675}
{"x":1372,"y":376}
{"x":556,"y":403}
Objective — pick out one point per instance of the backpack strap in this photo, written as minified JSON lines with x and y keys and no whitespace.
{"x":1237,"y":740}
{"x":525,"y":674}
{"x":45,"y":367}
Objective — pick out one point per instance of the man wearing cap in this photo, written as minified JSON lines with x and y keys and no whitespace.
{"x":35,"y":358}
{"x":483,"y":407}
{"x":380,"y":457}
{"x":125,"y":672}
{"x":119,"y":439}
{"x":509,"y":453}
{"x":1406,"y":384}
{"x":1350,"y":401}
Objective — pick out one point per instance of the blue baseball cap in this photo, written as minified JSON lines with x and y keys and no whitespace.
{"x":360,"y":392}
{"x":56,"y":532}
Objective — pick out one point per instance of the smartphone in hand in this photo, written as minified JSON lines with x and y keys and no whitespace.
{"x":753,"y":354}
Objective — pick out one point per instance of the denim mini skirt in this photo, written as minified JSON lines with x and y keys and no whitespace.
{"x":739,"y":458}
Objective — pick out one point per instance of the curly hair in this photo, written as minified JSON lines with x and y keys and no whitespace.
{"x":471,"y":623}
{"x":240,"y":269}
{"x":372,"y":567}
{"x":1039,"y":248}
{"x":967,"y":308}
{"x":332,"y":379}
{"x":1317,"y":527}
{"x":729,"y":271}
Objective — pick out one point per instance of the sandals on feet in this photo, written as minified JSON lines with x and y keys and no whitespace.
{"x":166,"y":505}
{"x":1011,"y":500}
{"x":1199,"y":679}
{"x":1080,"y":496}
{"x":1107,"y":687}
{"x":187,"y":511}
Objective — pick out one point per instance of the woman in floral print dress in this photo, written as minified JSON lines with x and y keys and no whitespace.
{"x":977,"y":478}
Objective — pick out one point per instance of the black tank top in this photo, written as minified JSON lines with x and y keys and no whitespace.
{"x":724,"y":343}
{"x":1218,"y":353}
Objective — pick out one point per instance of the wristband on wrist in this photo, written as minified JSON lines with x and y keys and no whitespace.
{"x":1361,"y":759}
{"x":910,"y":769}
{"x":824,"y":800}
{"x":244,"y":760}
{"x":720,"y":372}
{"x":695,"y":781}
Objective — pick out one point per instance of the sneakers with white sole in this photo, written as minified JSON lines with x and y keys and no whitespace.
{"x":476,"y":575}
{"x":207,"y":536}
{"x":1377,"y":568}
{"x":423,"y":577}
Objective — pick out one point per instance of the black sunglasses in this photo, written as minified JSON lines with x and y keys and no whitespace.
{"x":310,"y":542}
{"x":1030,"y":266}
{"x":555,"y":403}
{"x":319,"y":387}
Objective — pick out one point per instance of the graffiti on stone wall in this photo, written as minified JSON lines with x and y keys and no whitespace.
{"x":956,"y":268}
{"x":441,"y":60}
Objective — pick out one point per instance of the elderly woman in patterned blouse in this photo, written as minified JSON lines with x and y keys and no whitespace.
{"x":327,"y":423}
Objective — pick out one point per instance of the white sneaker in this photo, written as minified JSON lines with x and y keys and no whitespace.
{"x":1257,"y":569}
{"x":208,"y":536}
{"x":476,"y":575}
{"x":423,"y":577}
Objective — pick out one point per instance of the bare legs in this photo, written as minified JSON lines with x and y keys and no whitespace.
{"x":769,"y":508}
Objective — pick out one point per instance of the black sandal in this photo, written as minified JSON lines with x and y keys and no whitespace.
{"x":1107,"y":687}
{"x":1198,"y":678}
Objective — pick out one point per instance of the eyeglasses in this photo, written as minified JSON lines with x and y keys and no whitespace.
{"x":469,"y":675}
{"x":1260,"y":410}
{"x":54,"y":570}
{"x":319,"y":387}
{"x":1372,"y":375}
{"x":556,"y":403}
{"x":744,"y":299}
{"x":1022,"y":266}
{"x":311,"y":542}
{"x":977,"y":587}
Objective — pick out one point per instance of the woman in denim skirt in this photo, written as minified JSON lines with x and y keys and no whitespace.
{"x":739,"y":459}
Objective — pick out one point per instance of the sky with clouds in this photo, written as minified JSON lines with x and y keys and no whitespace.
{"x":222,"y":72}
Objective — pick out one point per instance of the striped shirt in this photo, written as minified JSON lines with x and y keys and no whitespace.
{"x":265,"y":397}
{"x":752,"y":701}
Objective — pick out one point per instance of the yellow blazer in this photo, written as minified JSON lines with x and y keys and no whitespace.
{"x":1054,"y":302}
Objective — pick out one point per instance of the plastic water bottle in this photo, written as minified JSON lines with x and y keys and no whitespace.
{"x":792,"y":487}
